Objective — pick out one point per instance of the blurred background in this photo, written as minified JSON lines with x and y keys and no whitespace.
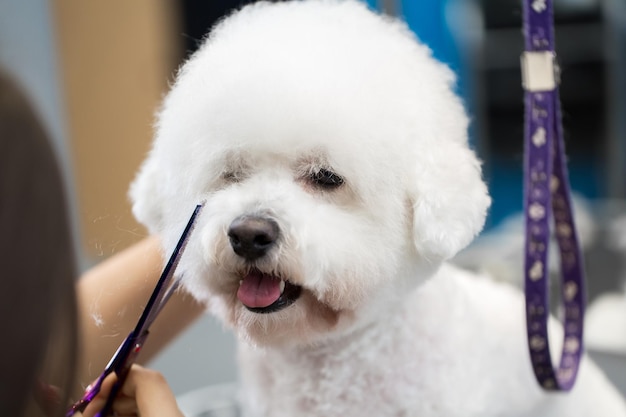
{"x":97,"y":72}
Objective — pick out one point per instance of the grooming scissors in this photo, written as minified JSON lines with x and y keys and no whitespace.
{"x":127,"y":352}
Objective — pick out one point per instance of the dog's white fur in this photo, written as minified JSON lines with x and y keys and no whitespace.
{"x":383,"y":327}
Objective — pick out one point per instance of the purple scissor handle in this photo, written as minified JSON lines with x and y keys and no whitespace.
{"x":127,"y":352}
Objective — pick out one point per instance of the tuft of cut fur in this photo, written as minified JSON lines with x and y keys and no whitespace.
{"x":280,"y":95}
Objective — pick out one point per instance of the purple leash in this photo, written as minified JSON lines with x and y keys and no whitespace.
{"x":547,"y":197}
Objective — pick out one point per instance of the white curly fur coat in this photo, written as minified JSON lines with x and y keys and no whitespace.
{"x":281,"y":101}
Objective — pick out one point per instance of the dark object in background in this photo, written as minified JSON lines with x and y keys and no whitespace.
{"x":200,"y":16}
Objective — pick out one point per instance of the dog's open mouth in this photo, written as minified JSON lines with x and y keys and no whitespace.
{"x":264,"y":293}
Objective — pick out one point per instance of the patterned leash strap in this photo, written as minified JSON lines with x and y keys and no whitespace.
{"x":547,"y":197}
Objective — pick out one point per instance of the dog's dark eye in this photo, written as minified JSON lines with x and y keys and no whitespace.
{"x":326,"y":179}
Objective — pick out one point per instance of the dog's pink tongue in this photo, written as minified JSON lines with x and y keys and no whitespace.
{"x":258,"y":290}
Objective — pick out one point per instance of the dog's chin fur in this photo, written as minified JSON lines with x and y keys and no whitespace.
{"x":342,"y":293}
{"x":318,"y":315}
{"x":337,"y":127}
{"x":302,"y":323}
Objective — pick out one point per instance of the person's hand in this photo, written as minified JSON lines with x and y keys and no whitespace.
{"x":145,"y":393}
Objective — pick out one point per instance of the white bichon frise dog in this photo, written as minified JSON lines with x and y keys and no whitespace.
{"x":332,"y":156}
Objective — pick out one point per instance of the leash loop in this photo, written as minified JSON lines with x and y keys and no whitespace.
{"x":547,"y":203}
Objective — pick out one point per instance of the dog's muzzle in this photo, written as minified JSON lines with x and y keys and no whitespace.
{"x":251,"y":238}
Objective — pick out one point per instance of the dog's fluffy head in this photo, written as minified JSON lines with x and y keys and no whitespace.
{"x":339,"y":129}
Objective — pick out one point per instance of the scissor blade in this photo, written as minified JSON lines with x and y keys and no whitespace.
{"x":156,"y":301}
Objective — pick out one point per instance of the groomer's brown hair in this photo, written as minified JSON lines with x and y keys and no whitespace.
{"x":38,"y":331}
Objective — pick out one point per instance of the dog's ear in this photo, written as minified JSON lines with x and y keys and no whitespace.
{"x":450,"y":201}
{"x":146,"y":196}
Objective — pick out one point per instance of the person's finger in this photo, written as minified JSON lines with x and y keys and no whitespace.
{"x":100,"y":399}
{"x":125,"y":406}
{"x":152,"y":393}
{"x":94,"y":406}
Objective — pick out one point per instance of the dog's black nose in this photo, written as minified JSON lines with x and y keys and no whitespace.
{"x":252,"y":237}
